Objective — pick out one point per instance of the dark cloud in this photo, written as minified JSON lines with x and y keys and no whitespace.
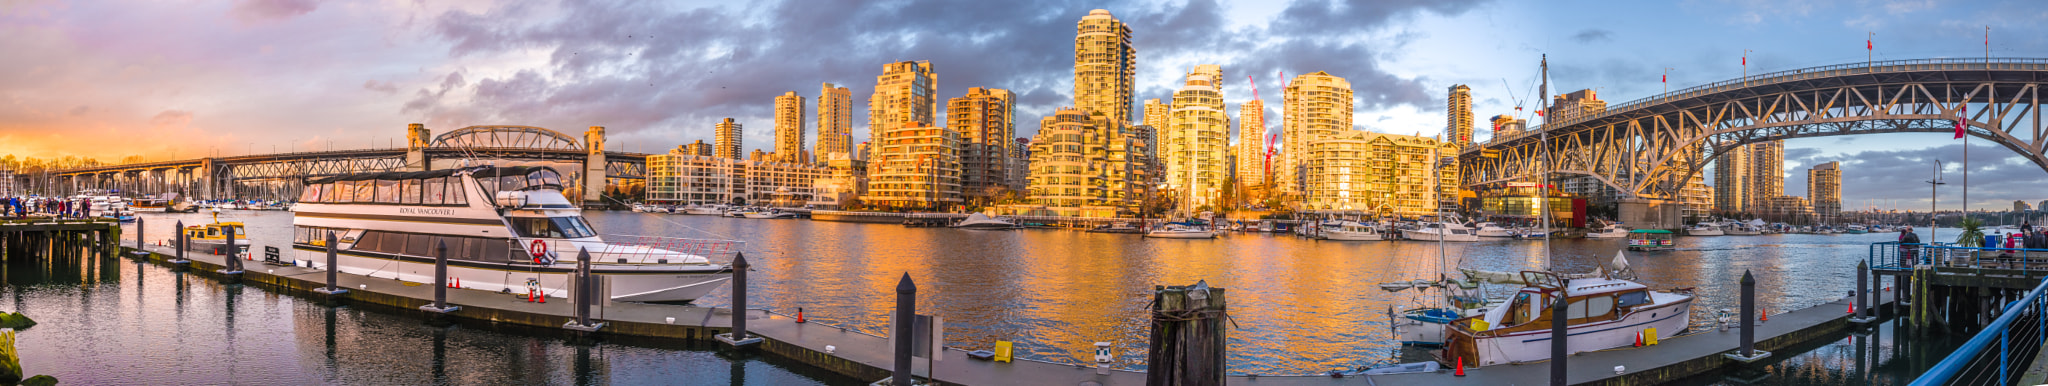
{"x":1593,"y":35}
{"x":669,"y":74}
{"x":1997,"y":175}
{"x":253,"y":11}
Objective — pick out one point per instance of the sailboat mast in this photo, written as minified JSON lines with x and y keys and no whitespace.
{"x":1543,"y":183}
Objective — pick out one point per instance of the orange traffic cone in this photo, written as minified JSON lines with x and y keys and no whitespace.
{"x":1461,"y":367}
{"x":1766,"y":312}
{"x":799,"y":314}
{"x":1639,"y":339}
{"x":1852,"y":308}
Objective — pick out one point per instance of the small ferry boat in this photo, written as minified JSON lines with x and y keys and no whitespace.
{"x":979,"y":221}
{"x":1181,"y":230}
{"x":1352,"y":231}
{"x":1651,"y":240}
{"x":1605,"y":312}
{"x":154,"y":203}
{"x":505,"y":228}
{"x":212,"y":237}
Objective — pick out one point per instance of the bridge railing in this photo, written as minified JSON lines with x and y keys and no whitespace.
{"x":2004,"y":346}
{"x":1797,"y":74}
{"x":1892,"y":255}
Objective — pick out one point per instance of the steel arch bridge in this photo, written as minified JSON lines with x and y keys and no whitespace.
{"x":1649,"y":148}
{"x":280,"y":176}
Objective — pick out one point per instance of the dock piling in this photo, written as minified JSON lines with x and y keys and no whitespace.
{"x":1559,"y":350}
{"x":1746,"y":351}
{"x":178,"y":243}
{"x":139,"y":238}
{"x":738,"y":337}
{"x":332,"y":289}
{"x":1187,"y":335}
{"x":906,"y":317}
{"x":440,"y":306}
{"x":1862,"y":313}
{"x":233,"y":269}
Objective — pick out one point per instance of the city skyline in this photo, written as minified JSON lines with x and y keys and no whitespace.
{"x":225,"y":83}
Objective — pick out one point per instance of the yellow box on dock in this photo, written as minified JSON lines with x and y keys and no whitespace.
{"x":1650,"y":336}
{"x":1003,"y":351}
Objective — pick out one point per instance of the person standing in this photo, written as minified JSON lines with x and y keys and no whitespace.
{"x":1909,"y":247}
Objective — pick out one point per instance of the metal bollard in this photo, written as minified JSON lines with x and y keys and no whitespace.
{"x":179,"y":242}
{"x":1863,"y":300}
{"x":583,"y":287}
{"x":739,"y":296}
{"x":1748,"y":345}
{"x":332,"y":288}
{"x":234,"y":265}
{"x":906,"y":320}
{"x":441,"y":274}
{"x":139,"y":238}
{"x":1558,"y":335}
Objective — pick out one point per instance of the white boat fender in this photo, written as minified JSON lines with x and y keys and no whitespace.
{"x":1620,"y":369}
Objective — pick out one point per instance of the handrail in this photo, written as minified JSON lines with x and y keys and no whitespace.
{"x":1957,"y":360}
{"x":1770,"y":78}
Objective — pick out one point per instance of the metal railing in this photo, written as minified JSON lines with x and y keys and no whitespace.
{"x":1892,"y":255}
{"x":664,"y":250}
{"x":2017,"y":335}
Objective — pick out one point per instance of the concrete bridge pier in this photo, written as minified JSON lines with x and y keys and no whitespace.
{"x":1651,"y":214}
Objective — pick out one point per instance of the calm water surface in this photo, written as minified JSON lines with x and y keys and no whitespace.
{"x":1300,"y":306}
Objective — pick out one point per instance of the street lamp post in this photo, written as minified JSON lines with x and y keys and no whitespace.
{"x":1932,"y":186}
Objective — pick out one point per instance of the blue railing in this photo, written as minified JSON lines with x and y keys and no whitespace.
{"x":1893,"y":255}
{"x":1975,"y":363}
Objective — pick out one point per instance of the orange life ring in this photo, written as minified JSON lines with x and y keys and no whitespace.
{"x":541,"y":255}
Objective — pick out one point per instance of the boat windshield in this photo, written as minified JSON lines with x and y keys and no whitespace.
{"x":551,"y":227}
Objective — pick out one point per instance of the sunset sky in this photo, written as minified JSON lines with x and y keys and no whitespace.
{"x":183,"y":79}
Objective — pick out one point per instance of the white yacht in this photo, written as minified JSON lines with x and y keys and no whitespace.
{"x":1704,"y":229}
{"x":1605,"y":311}
{"x":1351,"y":231}
{"x":984,"y":222}
{"x":505,"y":228}
{"x":710,"y":210}
{"x":1611,"y":231}
{"x":1440,"y":231}
{"x":1181,"y":230}
{"x":1487,"y":229}
{"x":769,"y":214}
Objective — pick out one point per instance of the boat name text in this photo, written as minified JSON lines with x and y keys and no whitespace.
{"x":426,"y":211}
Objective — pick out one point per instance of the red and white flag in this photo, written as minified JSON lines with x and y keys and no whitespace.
{"x":1962,"y":119}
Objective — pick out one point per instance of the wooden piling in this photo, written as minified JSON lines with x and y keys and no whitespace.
{"x":1187,"y":339}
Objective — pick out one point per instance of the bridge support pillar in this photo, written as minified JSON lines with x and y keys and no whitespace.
{"x":1651,"y":214}
{"x":416,"y":143}
{"x":593,"y":168}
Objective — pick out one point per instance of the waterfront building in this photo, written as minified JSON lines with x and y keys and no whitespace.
{"x":7,"y":177}
{"x":1317,"y":105}
{"x":1459,"y":128}
{"x":1355,"y":170}
{"x":863,"y":151}
{"x":848,"y":181}
{"x":906,"y":92}
{"x":1251,"y":143}
{"x":2017,"y":205}
{"x":680,"y":177}
{"x":835,"y":121}
{"x":1157,"y":114}
{"x":1588,"y":187}
{"x":1788,"y":209}
{"x":1766,"y":174}
{"x":1731,"y":181}
{"x":758,"y":155}
{"x":1574,"y":105}
{"x":1138,"y":151}
{"x":1195,"y":142}
{"x":1105,"y":65}
{"x":1697,"y":197}
{"x":1070,"y":164}
{"x":1824,"y":184}
{"x":984,"y":119}
{"x":728,"y":138}
{"x":789,"y":128}
{"x":697,"y":148}
{"x":1020,"y":165}
{"x":915,"y":166}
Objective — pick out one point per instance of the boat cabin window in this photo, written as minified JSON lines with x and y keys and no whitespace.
{"x":489,"y":184}
{"x":1520,"y":312}
{"x":551,"y":227}
{"x":1598,"y":306}
{"x":1632,"y":299}
{"x":511,"y":183}
{"x":366,"y":191}
{"x":315,"y":235}
{"x":543,"y":177}
{"x":311,"y":193}
{"x":409,"y":192}
{"x":387,"y":191}
{"x":459,"y":247}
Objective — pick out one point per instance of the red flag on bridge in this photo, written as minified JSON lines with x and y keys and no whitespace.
{"x":1962,"y":116}
{"x":1745,"y":60}
{"x":1868,"y":46}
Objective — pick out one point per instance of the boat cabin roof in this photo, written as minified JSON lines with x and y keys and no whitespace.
{"x":1650,"y":231}
{"x":485,"y":170}
{"x":1602,"y":285}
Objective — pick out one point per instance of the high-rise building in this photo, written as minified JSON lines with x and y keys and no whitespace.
{"x":683,"y":178}
{"x":789,"y":128}
{"x":1196,"y":140}
{"x":1766,"y":174}
{"x":1788,"y":209}
{"x":835,"y":121}
{"x":984,"y":119}
{"x":1574,"y":105}
{"x":1355,"y":170}
{"x":905,"y":92}
{"x":1824,"y":185}
{"x":1156,"y":113}
{"x":728,"y":139}
{"x":1251,"y":143}
{"x":1731,"y":181}
{"x":1317,"y":105}
{"x":1070,"y":167}
{"x":698,"y":148}
{"x":1459,"y":129}
{"x":916,"y":166}
{"x":1105,"y":64}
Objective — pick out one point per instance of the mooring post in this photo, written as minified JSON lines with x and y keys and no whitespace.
{"x":583,"y":286}
{"x":180,"y":245}
{"x":440,"y":306}
{"x":139,"y":239}
{"x":738,"y":337}
{"x":1746,"y":351}
{"x":233,"y":266}
{"x":906,"y":321}
{"x":1863,"y":294}
{"x":1558,"y":336}
{"x":332,"y":287}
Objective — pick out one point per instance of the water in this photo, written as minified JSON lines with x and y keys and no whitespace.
{"x":1299,"y":306}
{"x":113,"y":321}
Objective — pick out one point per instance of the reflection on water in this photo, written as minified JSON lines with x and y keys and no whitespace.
{"x":117,"y":321}
{"x":1299,"y":306}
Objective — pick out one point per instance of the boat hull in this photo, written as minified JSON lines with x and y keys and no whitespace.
{"x":1351,"y":236}
{"x":1604,"y":235}
{"x":1495,"y":233}
{"x":1180,"y":235}
{"x":1704,"y":232}
{"x":1531,"y":346}
{"x":1432,"y":236}
{"x":637,"y":286}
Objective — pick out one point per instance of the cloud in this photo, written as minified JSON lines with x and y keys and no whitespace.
{"x":171,"y":118}
{"x":1593,"y":35}
{"x":1997,"y":175}
{"x":383,"y":87}
{"x":255,"y":11}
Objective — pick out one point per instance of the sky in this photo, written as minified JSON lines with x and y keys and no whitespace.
{"x":183,"y":79}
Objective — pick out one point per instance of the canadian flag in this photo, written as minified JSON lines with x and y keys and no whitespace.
{"x":1962,"y":119}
